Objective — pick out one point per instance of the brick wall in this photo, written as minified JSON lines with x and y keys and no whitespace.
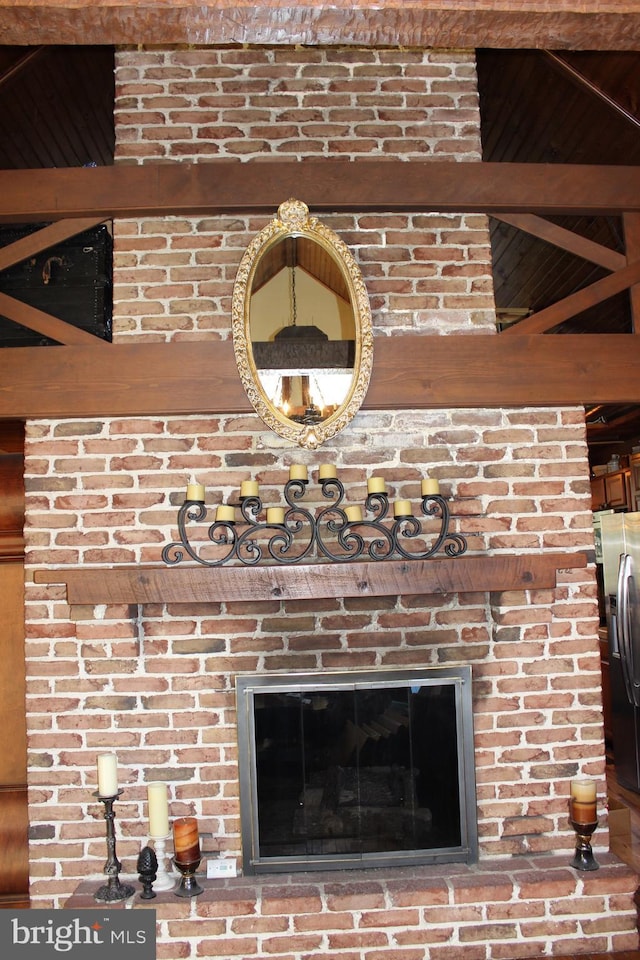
{"x":156,"y":683}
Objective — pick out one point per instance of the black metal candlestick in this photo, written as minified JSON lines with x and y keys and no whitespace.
{"x":583,"y":858}
{"x":112,"y":890}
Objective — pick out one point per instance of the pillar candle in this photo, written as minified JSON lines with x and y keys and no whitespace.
{"x":225,"y":513}
{"x":107,"y":775}
{"x":354,"y":514}
{"x":275,"y":515}
{"x":376,"y":485}
{"x":186,"y":840}
{"x":157,"y":796}
{"x":402,"y":508}
{"x":195,"y":491}
{"x":327,"y":471}
{"x":249,"y":488}
{"x":298,"y":471}
{"x":430,"y":487}
{"x":583,"y":801}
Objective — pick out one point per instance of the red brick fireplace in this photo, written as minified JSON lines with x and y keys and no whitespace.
{"x":155,"y":682}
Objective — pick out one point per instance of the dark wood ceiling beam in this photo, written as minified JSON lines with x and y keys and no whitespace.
{"x":556,"y":24}
{"x":325,"y":185}
{"x":565,"y":239}
{"x":409,"y":372}
{"x":583,"y":299}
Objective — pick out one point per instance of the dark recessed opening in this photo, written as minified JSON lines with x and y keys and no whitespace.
{"x":350,"y":768}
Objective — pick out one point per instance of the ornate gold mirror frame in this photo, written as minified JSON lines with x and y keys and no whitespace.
{"x":270,"y":253}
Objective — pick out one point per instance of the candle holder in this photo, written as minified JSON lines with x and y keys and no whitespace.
{"x":584,"y":858}
{"x":188,"y":886}
{"x":113,"y":890}
{"x":165,"y":879}
{"x":330,"y":533}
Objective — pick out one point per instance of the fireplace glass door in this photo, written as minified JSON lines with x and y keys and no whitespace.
{"x":361,"y":768}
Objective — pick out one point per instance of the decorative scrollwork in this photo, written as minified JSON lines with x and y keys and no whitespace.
{"x":329,"y":534}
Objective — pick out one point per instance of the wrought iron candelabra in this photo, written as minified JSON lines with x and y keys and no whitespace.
{"x":335,"y":532}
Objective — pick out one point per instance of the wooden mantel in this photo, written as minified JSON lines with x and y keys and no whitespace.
{"x":190,"y":584}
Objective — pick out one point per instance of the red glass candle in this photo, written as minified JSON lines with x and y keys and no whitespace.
{"x":186,"y":841}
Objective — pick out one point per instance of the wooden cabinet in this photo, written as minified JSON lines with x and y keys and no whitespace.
{"x":616,"y":487}
{"x":613,"y":491}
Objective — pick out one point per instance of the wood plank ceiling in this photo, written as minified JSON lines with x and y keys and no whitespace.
{"x":56,"y":110}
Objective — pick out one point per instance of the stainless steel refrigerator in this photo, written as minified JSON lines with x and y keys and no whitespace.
{"x":621,"y":578}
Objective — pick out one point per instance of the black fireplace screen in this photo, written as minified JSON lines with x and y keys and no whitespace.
{"x":349,"y":769}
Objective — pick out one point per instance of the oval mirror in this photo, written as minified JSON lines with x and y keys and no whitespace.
{"x":301,"y":326}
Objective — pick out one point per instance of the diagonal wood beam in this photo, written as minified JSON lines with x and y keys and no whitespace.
{"x":570,"y":306}
{"x":565,"y":239}
{"x":16,"y":69}
{"x":42,"y":239}
{"x":584,"y":83}
{"x":19,"y":312}
{"x":46,"y":324}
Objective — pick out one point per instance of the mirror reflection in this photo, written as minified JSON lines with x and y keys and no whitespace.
{"x":302,"y":328}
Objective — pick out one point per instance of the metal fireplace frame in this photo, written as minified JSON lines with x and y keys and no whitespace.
{"x":249,"y":685}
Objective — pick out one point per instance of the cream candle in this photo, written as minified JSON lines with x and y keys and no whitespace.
{"x":402,"y":508}
{"x":298,"y":471}
{"x":429,"y":487}
{"x":195,"y":491}
{"x":249,"y":488}
{"x":582,"y":806}
{"x":327,"y":471}
{"x":157,"y":795}
{"x":275,"y":515}
{"x":376,"y":485}
{"x":186,"y":840}
{"x":225,"y":513}
{"x":353,"y":514}
{"x":107,"y":775}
